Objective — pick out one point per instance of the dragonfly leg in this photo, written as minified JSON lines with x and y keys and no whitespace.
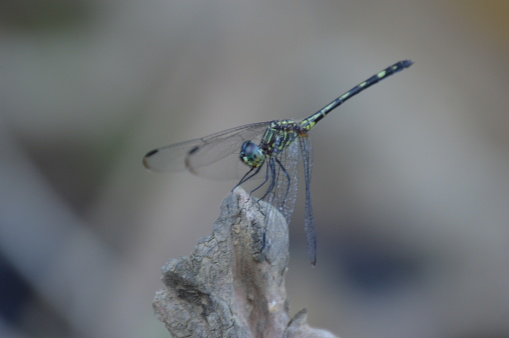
{"x":247,"y":176}
{"x":288,"y":178}
{"x":264,"y":181}
{"x":271,"y":171}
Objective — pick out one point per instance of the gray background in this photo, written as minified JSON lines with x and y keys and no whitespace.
{"x":410,"y":184}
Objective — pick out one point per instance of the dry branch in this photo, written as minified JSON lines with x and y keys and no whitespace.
{"x":233,"y":283}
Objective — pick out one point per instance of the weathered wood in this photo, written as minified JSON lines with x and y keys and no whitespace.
{"x":233,"y":284}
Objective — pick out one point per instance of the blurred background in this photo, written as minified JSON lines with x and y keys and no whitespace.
{"x":410,"y":183}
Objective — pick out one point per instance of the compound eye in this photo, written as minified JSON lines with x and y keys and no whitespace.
{"x":251,"y":154}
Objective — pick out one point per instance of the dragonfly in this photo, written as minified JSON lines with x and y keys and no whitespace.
{"x":273,"y":147}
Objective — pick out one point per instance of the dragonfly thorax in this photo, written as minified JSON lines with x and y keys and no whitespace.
{"x":251,"y":154}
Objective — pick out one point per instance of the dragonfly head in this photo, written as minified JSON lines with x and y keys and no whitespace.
{"x":251,"y":154}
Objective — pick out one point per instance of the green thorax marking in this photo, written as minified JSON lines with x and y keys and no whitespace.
{"x":278,"y":136}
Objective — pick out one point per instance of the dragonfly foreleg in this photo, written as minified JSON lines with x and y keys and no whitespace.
{"x":264,"y":181}
{"x":247,"y":176}
{"x":271,"y":171}
{"x":288,"y":178}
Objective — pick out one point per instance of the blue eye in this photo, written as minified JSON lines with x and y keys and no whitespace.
{"x":251,"y":154}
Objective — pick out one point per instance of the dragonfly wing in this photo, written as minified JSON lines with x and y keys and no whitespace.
{"x":218,"y":151}
{"x":309,"y":220}
{"x":283,"y":185}
{"x":283,"y":194}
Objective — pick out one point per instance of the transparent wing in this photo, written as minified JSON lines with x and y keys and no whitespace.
{"x":215,"y":156}
{"x":309,"y":220}
{"x":282,"y":187}
{"x":283,"y":171}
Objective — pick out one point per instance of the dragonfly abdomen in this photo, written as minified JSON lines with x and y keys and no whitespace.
{"x":311,"y":121}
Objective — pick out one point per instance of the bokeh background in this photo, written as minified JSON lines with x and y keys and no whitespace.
{"x":410,"y":183}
